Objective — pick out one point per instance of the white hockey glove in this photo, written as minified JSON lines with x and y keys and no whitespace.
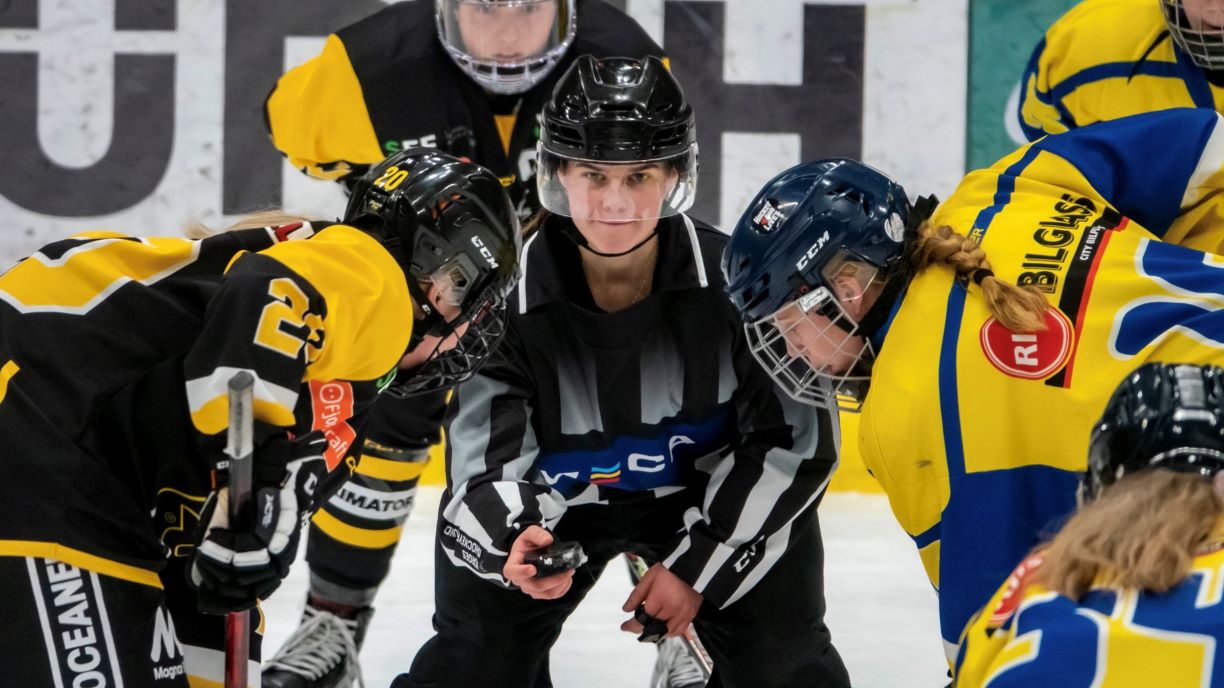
{"x":232,"y":569}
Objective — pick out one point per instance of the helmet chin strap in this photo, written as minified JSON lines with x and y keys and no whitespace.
{"x":571,"y":232}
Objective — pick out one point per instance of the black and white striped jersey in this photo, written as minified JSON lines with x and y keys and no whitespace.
{"x":582,"y":407}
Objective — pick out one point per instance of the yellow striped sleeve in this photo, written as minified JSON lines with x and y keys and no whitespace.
{"x":6,"y":373}
{"x":318,"y":117}
{"x":366,"y":538}
{"x":386,"y":469}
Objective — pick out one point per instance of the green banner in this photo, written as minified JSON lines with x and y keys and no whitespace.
{"x":1002,"y":35}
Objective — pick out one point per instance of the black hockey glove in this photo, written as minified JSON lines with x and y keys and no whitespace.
{"x":233,"y":568}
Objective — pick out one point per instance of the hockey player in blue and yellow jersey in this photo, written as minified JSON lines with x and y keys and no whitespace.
{"x":115,"y":352}
{"x":1107,"y":59}
{"x":977,"y":394}
{"x":1128,"y":594}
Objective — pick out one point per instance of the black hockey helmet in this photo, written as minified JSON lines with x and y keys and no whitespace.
{"x":617,"y":110}
{"x":450,"y":223}
{"x":1161,"y":416}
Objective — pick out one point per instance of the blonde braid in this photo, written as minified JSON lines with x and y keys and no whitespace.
{"x":1019,"y":309}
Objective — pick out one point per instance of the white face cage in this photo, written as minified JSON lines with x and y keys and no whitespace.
{"x":804,"y":346}
{"x":1201,"y":38}
{"x":478,"y":56}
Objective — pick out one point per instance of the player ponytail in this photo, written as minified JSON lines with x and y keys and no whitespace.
{"x":1142,"y":533}
{"x":1019,"y":309}
{"x":261,"y":218}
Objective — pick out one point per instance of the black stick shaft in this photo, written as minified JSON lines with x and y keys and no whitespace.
{"x":240,"y":448}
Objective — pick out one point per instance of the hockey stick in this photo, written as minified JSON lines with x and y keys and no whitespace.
{"x":692,"y":644}
{"x":239,"y":447}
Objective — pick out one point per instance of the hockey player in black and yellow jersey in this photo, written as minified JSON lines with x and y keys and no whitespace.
{"x":468,"y":77}
{"x":977,"y":395}
{"x":1106,"y":59}
{"x":116,"y":351}
{"x":1129,"y":592}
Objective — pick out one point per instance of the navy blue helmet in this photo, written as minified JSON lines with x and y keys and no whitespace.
{"x":814,"y":223}
{"x":800,"y":220}
{"x":1161,"y":416}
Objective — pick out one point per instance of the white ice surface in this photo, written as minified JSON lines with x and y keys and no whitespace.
{"x":881,"y":609}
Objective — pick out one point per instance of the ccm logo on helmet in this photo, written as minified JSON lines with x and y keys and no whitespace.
{"x":1028,"y":355}
{"x":811,"y":252}
{"x":484,"y":251}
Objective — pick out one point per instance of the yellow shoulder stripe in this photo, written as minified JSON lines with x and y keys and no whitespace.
{"x":79,"y":559}
{"x":386,"y":469}
{"x":6,"y":373}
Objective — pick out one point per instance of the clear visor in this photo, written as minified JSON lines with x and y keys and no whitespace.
{"x":811,"y":346}
{"x":1198,"y":28}
{"x":505,"y":40}
{"x":617,"y":192}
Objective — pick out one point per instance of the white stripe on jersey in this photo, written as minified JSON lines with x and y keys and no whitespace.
{"x":202,"y":390}
{"x":52,"y":651}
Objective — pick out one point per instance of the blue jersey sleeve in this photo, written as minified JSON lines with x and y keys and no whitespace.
{"x":1149,"y":166}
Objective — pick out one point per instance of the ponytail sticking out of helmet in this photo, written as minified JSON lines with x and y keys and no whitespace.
{"x":1150,"y":504}
{"x":449,"y":224}
{"x":830,"y":230}
{"x":1019,"y":309}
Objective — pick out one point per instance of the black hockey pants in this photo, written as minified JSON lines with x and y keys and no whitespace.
{"x":491,"y":637}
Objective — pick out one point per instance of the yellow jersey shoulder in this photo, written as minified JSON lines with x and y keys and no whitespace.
{"x":1132,"y":26}
{"x":317,"y":116}
{"x":1103,"y":60}
{"x":369,"y":310}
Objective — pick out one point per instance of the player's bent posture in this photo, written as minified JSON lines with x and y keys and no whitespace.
{"x":116,"y":352}
{"x":624,"y":411}
{"x":1128,"y":593}
{"x":1106,"y":59}
{"x":981,"y":343}
{"x":467,"y":77}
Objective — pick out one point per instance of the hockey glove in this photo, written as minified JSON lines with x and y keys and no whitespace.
{"x":234,"y":567}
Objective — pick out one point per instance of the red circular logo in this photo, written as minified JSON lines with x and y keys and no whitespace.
{"x":1028,"y":355}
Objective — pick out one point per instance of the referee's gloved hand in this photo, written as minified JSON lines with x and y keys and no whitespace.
{"x":232,"y":568}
